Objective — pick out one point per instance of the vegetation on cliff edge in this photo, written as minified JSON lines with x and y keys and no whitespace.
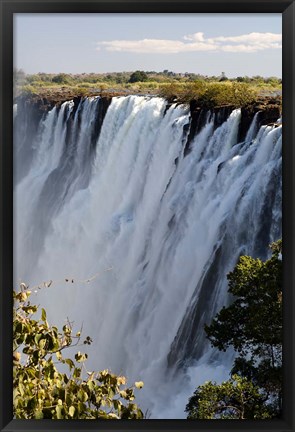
{"x":209,"y":91}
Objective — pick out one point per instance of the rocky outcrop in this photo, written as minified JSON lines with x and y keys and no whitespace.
{"x":48,"y":98}
{"x":31,"y":109}
{"x":269,"y":112}
{"x":199,"y":117}
{"x":28,"y":117}
{"x":269,"y":109}
{"x":101,"y":110}
{"x":41,"y":105}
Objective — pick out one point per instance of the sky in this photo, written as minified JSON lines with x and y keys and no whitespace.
{"x":208,"y":44}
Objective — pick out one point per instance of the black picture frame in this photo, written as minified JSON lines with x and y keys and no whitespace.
{"x":7,"y":9}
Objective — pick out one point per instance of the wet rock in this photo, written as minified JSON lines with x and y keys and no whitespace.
{"x":269,"y":112}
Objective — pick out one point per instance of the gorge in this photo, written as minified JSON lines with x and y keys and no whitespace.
{"x":137,"y":209}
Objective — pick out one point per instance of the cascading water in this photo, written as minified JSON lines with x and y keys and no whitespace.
{"x":146,"y":232}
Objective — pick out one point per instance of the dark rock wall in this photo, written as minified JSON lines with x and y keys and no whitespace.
{"x":269,"y":111}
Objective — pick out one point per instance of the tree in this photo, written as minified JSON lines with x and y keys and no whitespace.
{"x":138,"y":76}
{"x":223,"y":77}
{"x":252,"y":325}
{"x":62,"y":78}
{"x":236,"y":398}
{"x":43,"y":391}
{"x":255,"y":316}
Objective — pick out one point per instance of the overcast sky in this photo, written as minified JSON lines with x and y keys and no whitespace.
{"x":237,"y":44}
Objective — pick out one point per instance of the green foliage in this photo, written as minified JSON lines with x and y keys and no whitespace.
{"x":80,"y":91}
{"x":29,"y":89}
{"x":138,"y":76}
{"x":172,"y":91}
{"x":252,"y":325}
{"x":236,"y":398}
{"x":208,"y":91}
{"x":43,"y":391}
{"x":211,"y":94}
{"x":62,"y":78}
{"x":253,"y":322}
{"x":243,"y":79}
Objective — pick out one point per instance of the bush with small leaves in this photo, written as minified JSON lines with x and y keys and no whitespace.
{"x":236,"y":398}
{"x":62,"y":78}
{"x":138,"y":76}
{"x":42,"y":391}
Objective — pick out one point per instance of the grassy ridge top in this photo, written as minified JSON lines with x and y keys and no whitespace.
{"x":207,"y":91}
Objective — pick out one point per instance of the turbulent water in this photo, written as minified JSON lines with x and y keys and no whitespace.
{"x":146,"y":231}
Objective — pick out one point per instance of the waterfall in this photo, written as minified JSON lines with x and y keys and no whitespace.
{"x":146,"y":232}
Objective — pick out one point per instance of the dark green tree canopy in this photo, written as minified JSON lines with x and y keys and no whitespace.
{"x":138,"y":76}
{"x":236,"y":398}
{"x":252,"y":325}
{"x":62,"y":78}
{"x":253,"y":322}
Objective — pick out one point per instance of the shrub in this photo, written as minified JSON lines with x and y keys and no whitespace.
{"x":138,"y":76}
{"x":62,"y":78}
{"x":42,"y":391}
{"x":28,"y":89}
{"x":236,"y":398}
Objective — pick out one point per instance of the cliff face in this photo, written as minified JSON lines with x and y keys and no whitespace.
{"x":31,"y":110}
{"x":31,"y":113}
{"x":269,"y":110}
{"x":43,"y":104}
